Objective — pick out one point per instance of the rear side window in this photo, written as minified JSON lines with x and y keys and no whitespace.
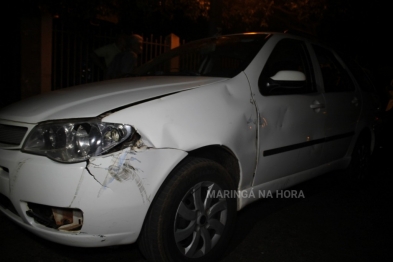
{"x":292,"y":55}
{"x":335,"y":77}
{"x":363,"y":77}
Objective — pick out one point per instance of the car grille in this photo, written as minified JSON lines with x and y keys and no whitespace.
{"x":12,"y":134}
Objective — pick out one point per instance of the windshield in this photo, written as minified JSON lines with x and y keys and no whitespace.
{"x":224,"y":56}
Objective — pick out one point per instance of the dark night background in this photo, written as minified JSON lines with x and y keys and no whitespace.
{"x":335,"y":222}
{"x":360,"y":29}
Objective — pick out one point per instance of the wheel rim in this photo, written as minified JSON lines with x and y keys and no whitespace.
{"x":200,"y":219}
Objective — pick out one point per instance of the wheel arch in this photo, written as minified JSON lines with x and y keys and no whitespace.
{"x":223,"y":156}
{"x":217,"y":153}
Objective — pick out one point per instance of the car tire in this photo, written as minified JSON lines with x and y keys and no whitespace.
{"x":190,"y":219}
{"x":359,"y":167}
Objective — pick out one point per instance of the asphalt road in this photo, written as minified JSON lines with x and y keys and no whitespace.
{"x":334,"y":221}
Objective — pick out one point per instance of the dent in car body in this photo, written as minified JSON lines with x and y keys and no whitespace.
{"x":108,"y":199}
{"x":217,"y":114}
{"x":120,"y":167}
{"x":117,"y":213}
{"x":280,"y":125}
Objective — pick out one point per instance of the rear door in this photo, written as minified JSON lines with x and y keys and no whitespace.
{"x":343,"y":103}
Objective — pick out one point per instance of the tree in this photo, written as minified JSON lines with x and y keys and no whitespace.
{"x":304,"y":15}
{"x":250,"y":14}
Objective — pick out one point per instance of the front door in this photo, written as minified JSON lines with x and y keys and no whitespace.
{"x":291,"y":120}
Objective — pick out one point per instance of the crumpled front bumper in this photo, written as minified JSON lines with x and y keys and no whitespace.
{"x":113,"y":192}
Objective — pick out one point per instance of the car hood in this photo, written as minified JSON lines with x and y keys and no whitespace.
{"x":93,"y":99}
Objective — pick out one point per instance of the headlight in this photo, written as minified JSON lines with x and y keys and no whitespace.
{"x":75,"y":141}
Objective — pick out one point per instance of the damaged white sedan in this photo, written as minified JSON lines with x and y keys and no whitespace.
{"x":168,"y":156}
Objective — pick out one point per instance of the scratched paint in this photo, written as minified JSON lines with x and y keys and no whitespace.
{"x":120,"y":169}
{"x":123,"y":170}
{"x":77,"y":190}
{"x":14,"y":178}
{"x":223,"y":115}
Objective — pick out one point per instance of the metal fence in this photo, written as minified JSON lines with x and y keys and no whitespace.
{"x":73,"y":44}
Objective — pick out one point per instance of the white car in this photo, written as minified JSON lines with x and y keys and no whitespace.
{"x":168,"y":156}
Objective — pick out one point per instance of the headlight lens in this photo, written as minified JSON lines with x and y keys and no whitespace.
{"x":75,"y":141}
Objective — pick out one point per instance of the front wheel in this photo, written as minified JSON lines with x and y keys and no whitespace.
{"x":192,"y":216}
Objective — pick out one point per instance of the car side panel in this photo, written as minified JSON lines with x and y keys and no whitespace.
{"x":343,"y":111}
{"x":291,"y":132}
{"x":218,"y":114}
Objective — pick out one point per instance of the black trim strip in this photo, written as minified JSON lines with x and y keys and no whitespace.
{"x":305,"y":144}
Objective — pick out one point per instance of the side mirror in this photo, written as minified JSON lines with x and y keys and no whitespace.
{"x":283,"y":82}
{"x":289,"y":76}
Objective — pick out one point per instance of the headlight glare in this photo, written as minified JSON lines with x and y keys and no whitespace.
{"x":83,"y":141}
{"x":75,"y":141}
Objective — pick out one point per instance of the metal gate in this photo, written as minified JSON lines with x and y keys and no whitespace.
{"x":73,"y":43}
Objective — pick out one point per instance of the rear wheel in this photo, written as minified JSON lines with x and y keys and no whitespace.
{"x":192,"y":218}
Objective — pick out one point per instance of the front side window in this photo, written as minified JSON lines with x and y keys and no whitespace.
{"x":224,"y":56}
{"x":335,"y":77}
{"x":287,"y":71}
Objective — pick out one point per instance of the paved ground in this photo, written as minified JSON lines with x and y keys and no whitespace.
{"x":334,"y":222}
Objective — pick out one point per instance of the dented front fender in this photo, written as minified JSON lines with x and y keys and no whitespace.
{"x":221,"y":113}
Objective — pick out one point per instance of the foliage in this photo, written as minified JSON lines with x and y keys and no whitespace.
{"x":252,"y":13}
{"x":240,"y":15}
